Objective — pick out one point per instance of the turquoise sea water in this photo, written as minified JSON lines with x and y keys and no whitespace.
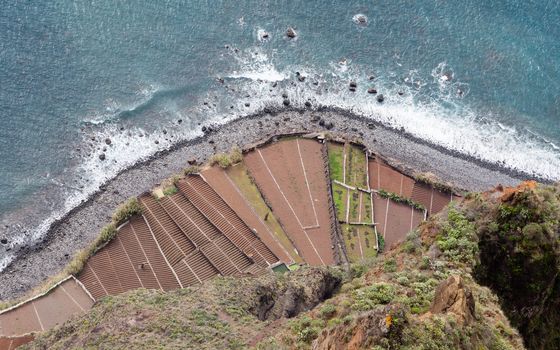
{"x":479,"y":77}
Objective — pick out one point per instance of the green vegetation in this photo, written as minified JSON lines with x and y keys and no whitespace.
{"x":356,"y":166}
{"x":457,"y":239}
{"x":354,"y":206}
{"x":126,"y":210}
{"x":519,"y":243}
{"x":359,"y":241}
{"x":336,"y":160}
{"x":225,"y":160}
{"x":168,"y":191}
{"x":367,"y":208}
{"x":339,"y":197}
{"x":398,"y":199}
{"x":193,"y":169}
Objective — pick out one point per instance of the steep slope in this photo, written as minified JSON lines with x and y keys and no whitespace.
{"x":519,"y":233}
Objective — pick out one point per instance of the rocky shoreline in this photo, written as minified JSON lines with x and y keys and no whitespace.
{"x":82,"y":224}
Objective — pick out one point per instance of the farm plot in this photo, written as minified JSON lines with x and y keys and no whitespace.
{"x":360,"y":241}
{"x":236,"y":188}
{"x":291,"y":176}
{"x":394,"y":220}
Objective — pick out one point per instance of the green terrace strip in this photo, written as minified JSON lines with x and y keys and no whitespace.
{"x":396,"y":198}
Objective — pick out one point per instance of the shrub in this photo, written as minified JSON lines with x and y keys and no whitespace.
{"x":168,"y":191}
{"x":306,"y":329}
{"x":193,"y":169}
{"x":327,"y":311}
{"x":221,"y":159}
{"x":396,"y":198}
{"x":236,"y":156}
{"x":458,"y":240}
{"x":367,"y":298}
{"x":126,"y":210}
{"x":390,"y":265}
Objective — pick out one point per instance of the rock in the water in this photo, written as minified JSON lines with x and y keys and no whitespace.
{"x":102,"y":156}
{"x":400,"y":93}
{"x":380,"y":98}
{"x":360,"y":19}
{"x":247,"y":104}
{"x":204,"y":129}
{"x":371,"y":77}
{"x":371,"y":126}
{"x":108,"y":141}
{"x":452,"y":296}
{"x":291,"y":33}
{"x":372,"y":91}
{"x":180,"y":121}
{"x":284,"y":95}
{"x":307,"y":104}
{"x":353,"y":84}
{"x":286,"y":102}
{"x":353,"y":89}
{"x":301,"y":78}
{"x":4,"y":241}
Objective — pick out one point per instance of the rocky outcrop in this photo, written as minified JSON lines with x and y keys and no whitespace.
{"x":370,"y":328}
{"x":452,"y":296}
{"x":275,"y":300}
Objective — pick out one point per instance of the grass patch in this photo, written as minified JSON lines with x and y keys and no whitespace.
{"x":359,"y":241}
{"x":356,"y":167}
{"x":339,"y":198}
{"x":225,"y":160}
{"x":171,"y":190}
{"x":354,"y":206}
{"x":336,"y":160}
{"x":126,"y":210}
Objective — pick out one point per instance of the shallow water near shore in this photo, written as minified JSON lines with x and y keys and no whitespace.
{"x":478,"y":78}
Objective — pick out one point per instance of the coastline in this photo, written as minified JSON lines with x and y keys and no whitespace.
{"x":78,"y":227}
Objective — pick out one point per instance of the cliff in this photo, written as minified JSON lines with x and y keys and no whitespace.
{"x":468,"y":278}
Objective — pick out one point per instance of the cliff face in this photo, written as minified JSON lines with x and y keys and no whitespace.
{"x":443,"y":288}
{"x":519,"y":233}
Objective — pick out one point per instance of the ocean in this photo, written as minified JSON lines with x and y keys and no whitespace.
{"x":478,"y":77}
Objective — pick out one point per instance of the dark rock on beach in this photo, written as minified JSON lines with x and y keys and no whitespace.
{"x":102,"y":156}
{"x":108,"y":141}
{"x":286,"y":102}
{"x":307,"y":104}
{"x":372,"y":91}
{"x":4,"y":241}
{"x":380,"y":98}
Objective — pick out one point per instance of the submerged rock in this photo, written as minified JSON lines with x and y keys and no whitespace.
{"x":102,"y":156}
{"x":372,"y":91}
{"x":380,"y":98}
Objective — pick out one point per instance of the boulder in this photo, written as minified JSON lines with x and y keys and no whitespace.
{"x":286,"y":102}
{"x":380,"y":98}
{"x":102,"y":156}
{"x":453,"y":296}
{"x":307,"y":104}
{"x":353,"y":84}
{"x":372,"y":91}
{"x":108,"y":141}
{"x":4,"y":241}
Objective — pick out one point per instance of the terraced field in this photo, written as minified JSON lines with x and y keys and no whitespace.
{"x":293,"y":201}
